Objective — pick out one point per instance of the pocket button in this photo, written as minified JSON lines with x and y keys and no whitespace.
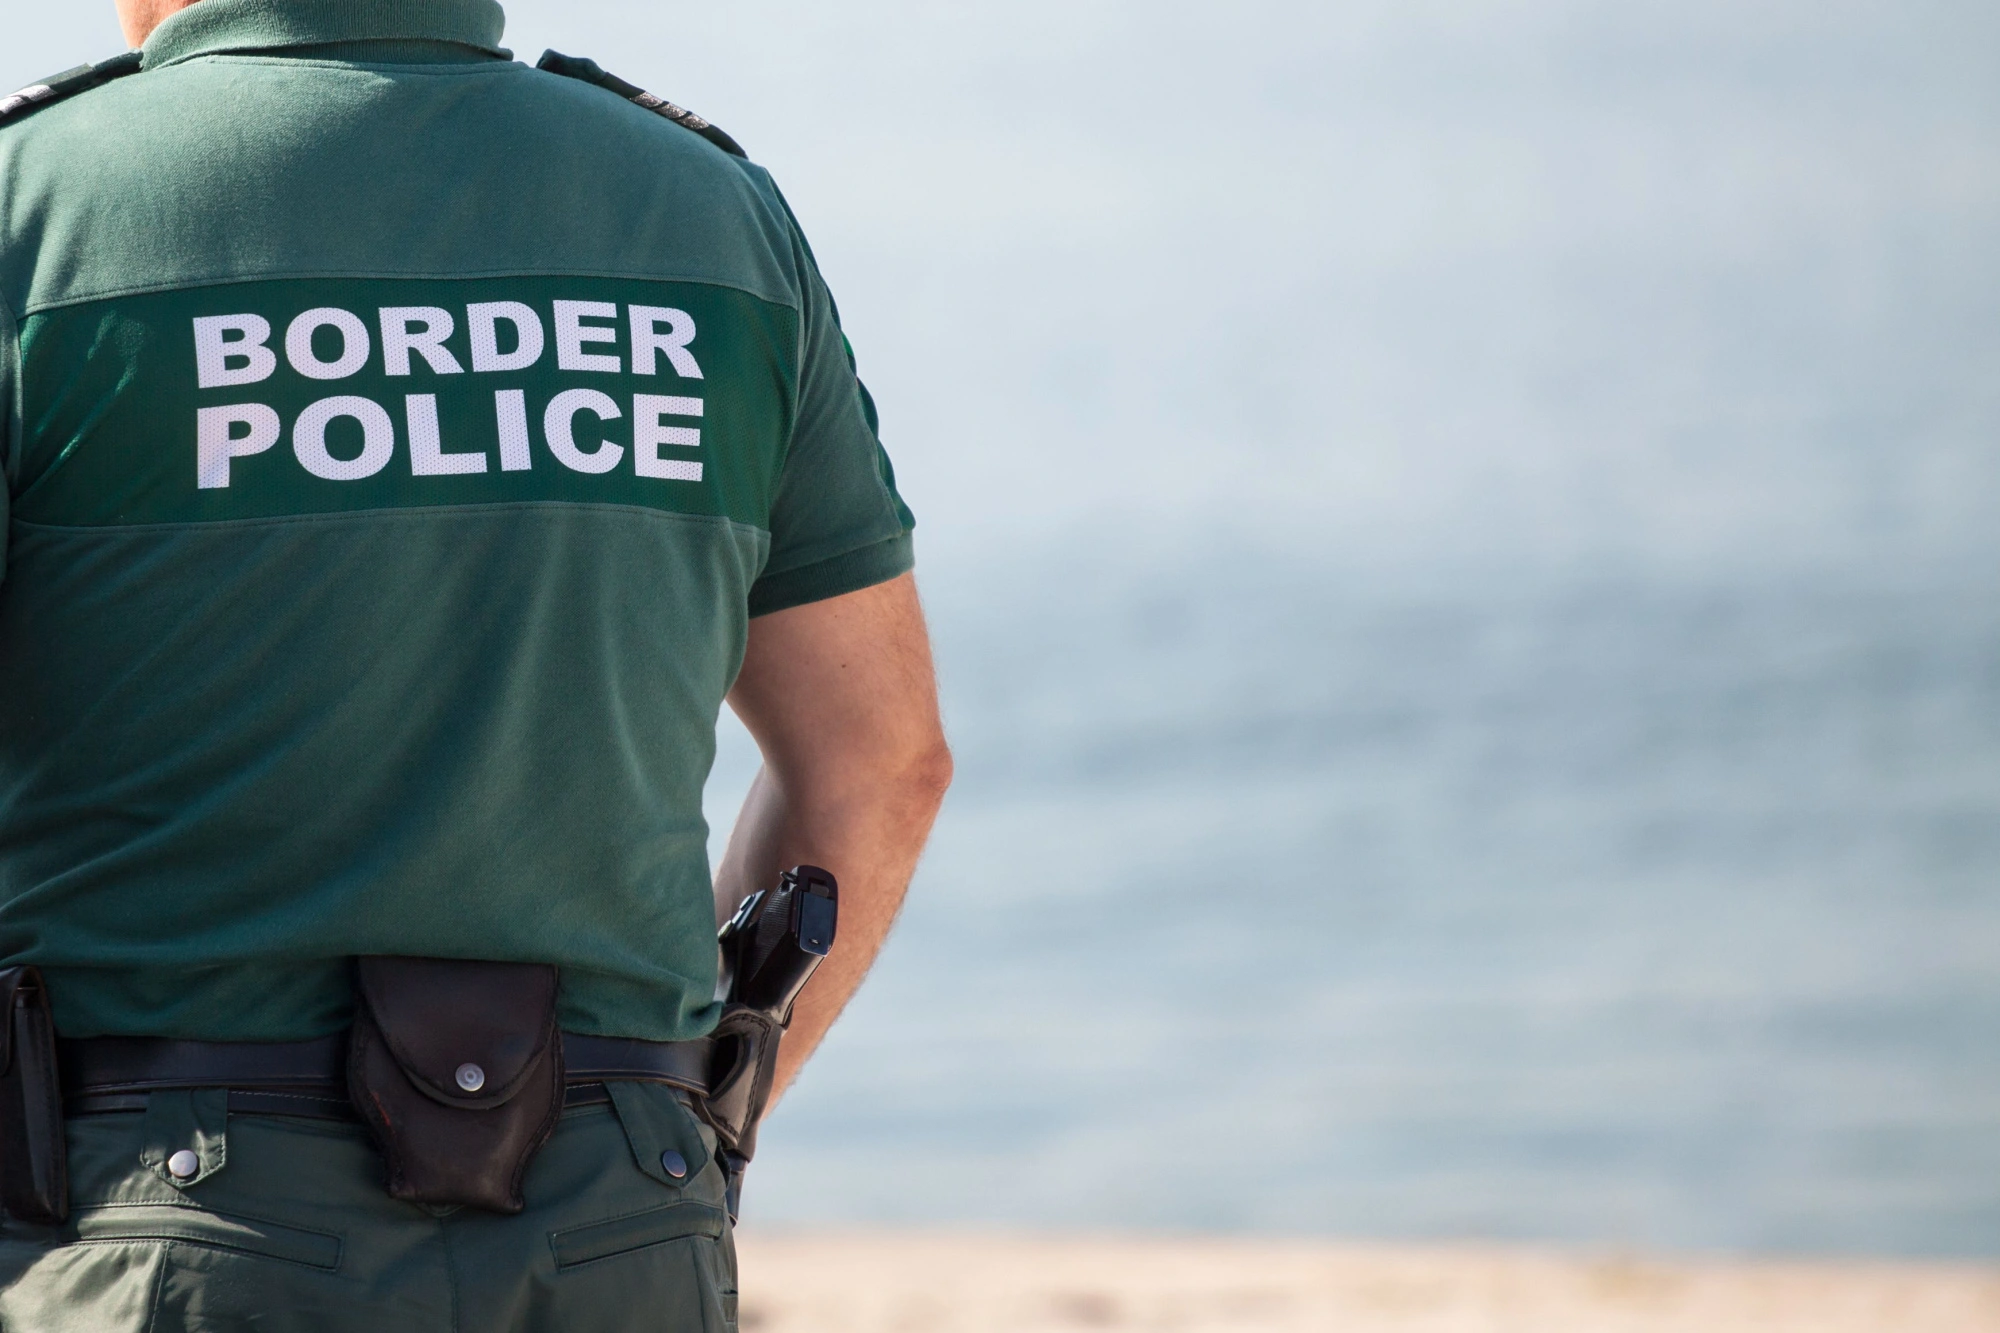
{"x":673,"y":1164}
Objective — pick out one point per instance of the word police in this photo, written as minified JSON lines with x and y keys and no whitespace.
{"x":235,"y":350}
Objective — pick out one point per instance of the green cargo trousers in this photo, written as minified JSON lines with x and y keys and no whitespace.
{"x":285,"y":1226}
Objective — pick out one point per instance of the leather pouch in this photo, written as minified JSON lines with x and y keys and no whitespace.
{"x":456,"y":1068}
{"x":34,"y":1164}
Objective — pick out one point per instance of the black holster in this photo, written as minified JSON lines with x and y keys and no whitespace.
{"x":34,"y":1165}
{"x":456,"y":1068}
{"x":740,"y":1074}
{"x":739,"y":1079}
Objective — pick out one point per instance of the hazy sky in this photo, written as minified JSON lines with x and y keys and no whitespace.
{"x":1375,"y":282}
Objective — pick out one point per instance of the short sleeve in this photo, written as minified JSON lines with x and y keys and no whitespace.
{"x":837,"y":522}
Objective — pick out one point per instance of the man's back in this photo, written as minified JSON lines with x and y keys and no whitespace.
{"x":405,"y":438}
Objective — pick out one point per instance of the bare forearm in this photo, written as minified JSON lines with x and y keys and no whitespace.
{"x":840,"y":698}
{"x":868,"y":829}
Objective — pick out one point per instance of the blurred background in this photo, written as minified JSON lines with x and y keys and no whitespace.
{"x":1462,"y":541}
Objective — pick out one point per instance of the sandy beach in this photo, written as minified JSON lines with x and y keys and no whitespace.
{"x":887,"y":1282}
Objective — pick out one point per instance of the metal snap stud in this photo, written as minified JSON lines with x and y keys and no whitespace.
{"x":471,"y":1078}
{"x":674,"y":1164}
{"x":183,"y":1165}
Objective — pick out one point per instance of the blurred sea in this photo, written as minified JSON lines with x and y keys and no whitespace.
{"x":1462,"y":538}
{"x":1617,"y":910}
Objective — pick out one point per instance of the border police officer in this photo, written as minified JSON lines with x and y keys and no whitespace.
{"x":407,"y":453}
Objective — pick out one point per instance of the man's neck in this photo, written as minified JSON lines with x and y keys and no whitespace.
{"x":139,"y":17}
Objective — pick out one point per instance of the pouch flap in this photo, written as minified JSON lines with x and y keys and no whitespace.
{"x":438,"y":1016}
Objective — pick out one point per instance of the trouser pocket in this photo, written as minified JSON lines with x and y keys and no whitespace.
{"x":262,"y":1223}
{"x":217,"y":1231}
{"x":669,"y":1269}
{"x":625,"y":1235}
{"x":157,"y":1267}
{"x":666,"y":1260}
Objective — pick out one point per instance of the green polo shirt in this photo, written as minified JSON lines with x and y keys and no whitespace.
{"x":398,"y":442}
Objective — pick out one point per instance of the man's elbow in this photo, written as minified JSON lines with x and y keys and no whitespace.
{"x":903,"y":784}
{"x":928,"y":773}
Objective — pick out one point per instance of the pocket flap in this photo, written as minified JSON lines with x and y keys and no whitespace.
{"x":466,"y":1033}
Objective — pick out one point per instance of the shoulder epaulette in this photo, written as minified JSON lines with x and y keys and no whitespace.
{"x":67,"y":84}
{"x":576,"y":67}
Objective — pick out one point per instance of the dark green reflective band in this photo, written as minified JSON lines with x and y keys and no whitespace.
{"x":294,"y":397}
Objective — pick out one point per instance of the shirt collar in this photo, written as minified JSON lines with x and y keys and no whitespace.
{"x":212,"y":26}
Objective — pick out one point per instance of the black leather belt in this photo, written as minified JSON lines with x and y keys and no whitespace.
{"x":309,"y":1078}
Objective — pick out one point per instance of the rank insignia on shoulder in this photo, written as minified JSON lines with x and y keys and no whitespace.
{"x":66,"y":84}
{"x":576,"y":67}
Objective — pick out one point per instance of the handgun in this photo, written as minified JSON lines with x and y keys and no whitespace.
{"x":777,"y":939}
{"x":770,"y":950}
